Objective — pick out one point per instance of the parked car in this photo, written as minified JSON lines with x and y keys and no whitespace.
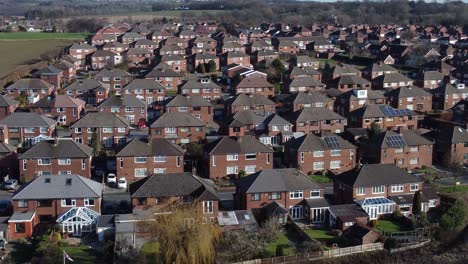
{"x":111,"y":178}
{"x":122,"y":184}
{"x":5,"y":207}
{"x":10,"y":184}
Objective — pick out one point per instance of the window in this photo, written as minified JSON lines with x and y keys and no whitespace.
{"x":183,"y":109}
{"x":170,"y":130}
{"x":255,"y":196}
{"x":64,"y":161}
{"x":208,"y":207}
{"x":43,"y":162}
{"x":45,"y":129}
{"x":250,"y":156}
{"x":274,"y":196}
{"x":159,"y":170}
{"x":296,"y":195}
{"x":399,"y":150}
{"x":22,"y":203}
{"x":159,"y":159}
{"x":121,"y":130}
{"x":335,"y":164}
{"x":302,"y":157}
{"x":378,"y":189}
{"x":141,"y":201}
{"x":68,"y":202}
{"x":214,"y":161}
{"x":44,"y":203}
{"x":250,"y":169}
{"x":184,"y":129}
{"x":64,"y":172}
{"x":275,"y":128}
{"x":107,"y":130}
{"x":315,"y":194}
{"x":360,"y":191}
{"x":89,"y":202}
{"x":319,"y":165}
{"x":60,"y":109}
{"x":129,"y":109}
{"x":335,"y":152}
{"x":29,"y":130}
{"x":20,"y":227}
{"x":319,"y":153}
{"x":83,"y":164}
{"x":140,"y":159}
{"x":140,"y":172}
{"x":414,"y":187}
{"x":414,"y":149}
{"x":178,"y":161}
{"x":397,"y":188}
{"x":413,"y":161}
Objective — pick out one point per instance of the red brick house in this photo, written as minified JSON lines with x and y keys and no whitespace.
{"x":387,"y":117}
{"x":194,"y":104}
{"x":355,"y":99}
{"x":81,"y":50}
{"x":31,"y":89}
{"x":128,"y":106}
{"x":203,"y":44}
{"x":431,"y":79}
{"x":346,"y":83}
{"x":63,"y":108}
{"x":305,"y":84}
{"x":157,"y":191}
{"x":8,"y":161}
{"x":166,"y":76}
{"x":290,"y":188}
{"x":147,"y":90}
{"x":55,"y":157}
{"x":229,"y":156}
{"x":130,"y":37}
{"x":138,"y":56}
{"x":52,"y":75}
{"x":255,"y":85}
{"x":313,"y":154}
{"x":202,"y":86}
{"x":339,"y":70}
{"x":110,"y":128}
{"x":255,"y":102}
{"x":7,"y":106}
{"x":287,"y":46}
{"x":104,"y":58}
{"x":115,"y":47}
{"x":61,"y":199}
{"x":68,"y":68}
{"x":114,"y":79}
{"x":447,"y":95}
{"x":231,"y":57}
{"x":412,"y":98}
{"x":142,"y":157}
{"x":406,"y":150}
{"x":304,"y":72}
{"x":302,"y":100}
{"x":177,"y":62}
{"x":391,"y":81}
{"x":317,"y":121}
{"x":451,"y":145}
{"x":178,"y":127}
{"x":26,"y":129}
{"x":146,"y":44}
{"x":303,"y":61}
{"x":91,"y":91}
{"x":195,"y":60}
{"x":375,"y":70}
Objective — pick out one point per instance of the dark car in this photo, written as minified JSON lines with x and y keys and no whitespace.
{"x":5,"y":207}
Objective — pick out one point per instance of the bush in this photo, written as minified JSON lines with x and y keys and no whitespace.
{"x":56,"y":237}
{"x":280,"y":250}
{"x":374,"y":223}
{"x":397,"y":215}
{"x":390,"y":243}
{"x":455,"y":216}
{"x":242,"y":173}
{"x":336,"y":232}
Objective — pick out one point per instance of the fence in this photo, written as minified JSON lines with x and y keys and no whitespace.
{"x":317,"y":255}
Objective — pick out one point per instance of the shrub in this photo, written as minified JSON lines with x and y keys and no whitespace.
{"x":397,"y":214}
{"x":374,"y":223}
{"x":336,"y":232}
{"x":56,"y":237}
{"x":241,"y":173}
{"x":390,"y":243}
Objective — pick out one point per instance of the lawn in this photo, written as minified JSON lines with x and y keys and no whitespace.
{"x":320,"y":178}
{"x":81,"y":254}
{"x":270,"y":249}
{"x":459,"y":189}
{"x":41,"y":36}
{"x":391,"y":226}
{"x":427,"y":170}
{"x":321,"y":235}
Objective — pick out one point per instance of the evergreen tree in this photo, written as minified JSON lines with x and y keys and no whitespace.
{"x":417,"y":203}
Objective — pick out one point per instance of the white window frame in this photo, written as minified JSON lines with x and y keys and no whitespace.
{"x":64,"y":203}
{"x":296,"y":195}
{"x":397,"y":188}
{"x":378,"y":189}
{"x":361,"y":191}
{"x":65,"y":161}
{"x":412,"y":187}
{"x":319,"y":153}
{"x":333,"y":164}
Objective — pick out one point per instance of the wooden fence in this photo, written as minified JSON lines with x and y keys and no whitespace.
{"x":317,"y":255}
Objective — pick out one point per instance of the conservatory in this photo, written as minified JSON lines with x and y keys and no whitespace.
{"x":78,"y":220}
{"x":375,"y":207}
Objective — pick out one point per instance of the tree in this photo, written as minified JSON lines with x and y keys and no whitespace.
{"x":455,"y":216}
{"x":201,"y":68}
{"x":417,"y":203}
{"x":184,"y":235}
{"x":212,"y":66}
{"x":375,"y":129}
{"x":96,"y":143}
{"x":456,"y":169}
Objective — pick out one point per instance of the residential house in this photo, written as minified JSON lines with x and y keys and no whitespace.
{"x":166,"y":76}
{"x":178,"y":127}
{"x":346,"y":83}
{"x":138,"y":56}
{"x":91,"y":91}
{"x":130,"y":37}
{"x":412,"y":98}
{"x":313,"y":154}
{"x":304,"y":72}
{"x":330,"y":73}
{"x":115,"y":47}
{"x":255,"y":85}
{"x":255,"y":102}
{"x":71,"y":201}
{"x":202,"y":86}
{"x":391,"y":81}
{"x":317,"y":121}
{"x":30,"y":89}
{"x":447,"y":95}
{"x":128,"y":106}
{"x":147,"y":90}
{"x":7,"y":106}
{"x":52,"y":75}
{"x":142,"y":157}
{"x":303,"y":61}
{"x":80,"y":50}
{"x":431,"y":79}
{"x":114,"y":79}
{"x":229,"y":156}
{"x":63,"y":108}
{"x":193,"y":104}
{"x":387,"y":117}
{"x":198,"y":59}
{"x":277,"y":131}
{"x":104,"y":58}
{"x":26,"y":129}
{"x":203,"y":44}
{"x":8,"y":161}
{"x":304,"y":84}
{"x":451,"y":145}
{"x":175,"y":61}
{"x":355,"y":99}
{"x":301,"y":100}
{"x":55,"y":157}
{"x":377,"y":69}
{"x":236,"y":57}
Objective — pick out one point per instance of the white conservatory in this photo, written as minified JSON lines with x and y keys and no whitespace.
{"x":375,"y":207}
{"x":78,"y":220}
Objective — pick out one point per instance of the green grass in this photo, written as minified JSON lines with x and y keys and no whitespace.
{"x":320,"y":178}
{"x":427,"y":170}
{"x":81,"y":254}
{"x":41,"y":36}
{"x":391,"y":226}
{"x":459,"y":189}
{"x":150,"y":248}
{"x":323,"y":62}
{"x":321,"y":235}
{"x":270,"y":249}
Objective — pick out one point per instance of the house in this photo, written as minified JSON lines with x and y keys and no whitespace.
{"x":290,"y":188}
{"x":52,"y":75}
{"x":375,"y":70}
{"x":406,"y":149}
{"x":307,"y":61}
{"x":104,"y":58}
{"x":330,"y":73}
{"x":255,"y":102}
{"x":194,"y":104}
{"x":346,"y":83}
{"x":377,"y":187}
{"x":412,"y":98}
{"x":159,"y":190}
{"x":128,"y":106}
{"x":344,"y":216}
{"x":63,"y":108}
{"x":7,"y":106}
{"x":143,"y":157}
{"x":72,"y":201}
{"x":313,"y":154}
{"x":451,"y":145}
{"x":391,"y":81}
{"x":431,"y":79}
{"x":302,"y":100}
{"x":30,"y":89}
{"x":68,"y":68}
{"x":91,"y":91}
{"x":109,"y":128}
{"x":447,"y":95}
{"x":247,"y":122}
{"x":138,"y":56}
{"x":355,"y":99}
{"x":255,"y":85}
{"x":145,"y":44}
{"x":147,"y":90}
{"x":229,"y":156}
{"x":8,"y":161}
{"x":130,"y":37}
{"x":277,"y":131}
{"x":304,"y":84}
{"x":287,"y":46}
{"x":317,"y":121}
{"x":55,"y":157}
{"x":177,"y":62}
{"x":203,"y":44}
{"x":26,"y":129}
{"x":178,"y":127}
{"x":385,"y":116}
{"x":236,"y":57}
{"x":115,"y":47}
{"x":80,"y":50}
{"x":166,"y":76}
{"x":304,"y":72}
{"x":198,"y":59}
{"x":114,"y":79}
{"x":202,"y":86}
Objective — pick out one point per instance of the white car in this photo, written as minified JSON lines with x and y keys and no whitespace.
{"x":122,"y":183}
{"x":111,"y":178}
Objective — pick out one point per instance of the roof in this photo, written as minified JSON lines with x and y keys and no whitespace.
{"x":58,"y":100}
{"x":50,"y":70}
{"x":5,"y":148}
{"x":433,"y":75}
{"x":144,"y":84}
{"x":380,"y":67}
{"x":345,"y":69}
{"x":83,"y":85}
{"x":103,"y":53}
{"x":390,"y":139}
{"x":315,"y":114}
{"x":156,"y":147}
{"x":6,"y":101}
{"x":177,"y":119}
{"x":26,"y":83}
{"x":254,"y":82}
{"x":162,"y":70}
{"x":112,"y":73}
{"x":276,"y":180}
{"x":310,"y":97}
{"x":22,"y":216}
{"x":241,"y":145}
{"x":370,"y":111}
{"x":65,"y":148}
{"x":347,"y":211}
{"x":101,"y":120}
{"x":252,"y":99}
{"x":192,"y":101}
{"x":274,"y":119}
{"x":122,"y":101}
{"x":311,"y":142}
{"x":24,"y":119}
{"x":172,"y":185}
{"x":371,"y":94}
{"x":351,"y":80}
{"x":403,"y":92}
{"x":374,"y":175}
{"x":305,"y":71}
{"x":305,"y":81}
{"x":393,"y":78}
{"x":105,"y":221}
{"x":59,"y":187}
{"x":447,"y":89}
{"x":454,"y":135}
{"x":247,"y":117}
{"x":317,"y":202}
{"x":81,"y":45}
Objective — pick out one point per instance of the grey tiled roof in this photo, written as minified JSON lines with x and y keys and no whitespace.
{"x":409,"y":137}
{"x":254,"y":82}
{"x":247,"y":117}
{"x":56,"y":187}
{"x":6,"y":101}
{"x":408,"y":92}
{"x":347,"y":210}
{"x":448,"y":89}
{"x":306,"y":71}
{"x":315,"y":114}
{"x":310,"y":97}
{"x":177,"y":119}
{"x":274,"y":119}
{"x":192,"y":101}
{"x":277,"y":180}
{"x":112,"y":73}
{"x":65,"y":148}
{"x":305,"y":82}
{"x":101,"y":120}
{"x":433,"y":75}
{"x":312,"y":142}
{"x":83,"y":85}
{"x":197,"y":84}
{"x":58,"y":100}
{"x":122,"y":101}
{"x":31,"y":83}
{"x":23,"y":119}
{"x":146,"y":84}
{"x":5,"y":148}
{"x":242,"y":145}
{"x":157,"y":147}
{"x":162,"y":70}
{"x":251,"y":100}
{"x":22,"y":216}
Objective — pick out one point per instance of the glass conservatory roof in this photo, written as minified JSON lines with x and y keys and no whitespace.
{"x":78,"y":214}
{"x":375,"y":201}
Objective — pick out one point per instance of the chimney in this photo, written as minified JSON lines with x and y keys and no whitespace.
{"x":56,"y":141}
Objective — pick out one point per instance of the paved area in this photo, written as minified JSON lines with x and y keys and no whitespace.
{"x":116,"y":203}
{"x":6,"y":194}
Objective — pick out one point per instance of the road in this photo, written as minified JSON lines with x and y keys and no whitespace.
{"x":451,"y":180}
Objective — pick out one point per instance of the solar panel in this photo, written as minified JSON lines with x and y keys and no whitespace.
{"x":332,"y":142}
{"x":390,"y":111}
{"x":395,"y":141}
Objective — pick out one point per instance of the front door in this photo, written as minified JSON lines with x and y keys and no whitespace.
{"x":296,"y":212}
{"x":373,"y":213}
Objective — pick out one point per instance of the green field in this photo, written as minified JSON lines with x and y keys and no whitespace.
{"x":391,"y":226}
{"x":14,"y":36}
